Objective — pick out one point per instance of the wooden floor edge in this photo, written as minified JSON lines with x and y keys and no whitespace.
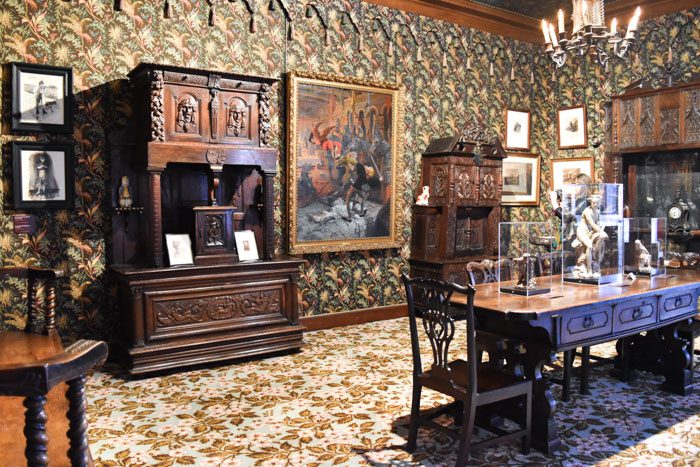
{"x":348,"y":318}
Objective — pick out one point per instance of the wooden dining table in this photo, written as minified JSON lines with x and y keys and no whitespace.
{"x":576,"y":315}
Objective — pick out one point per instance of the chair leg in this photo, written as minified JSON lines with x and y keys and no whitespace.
{"x":585,"y":370}
{"x":465,"y":436}
{"x":77,"y":431}
{"x":36,"y":451}
{"x":528,"y":422}
{"x":566,"y":378}
{"x":415,"y":413}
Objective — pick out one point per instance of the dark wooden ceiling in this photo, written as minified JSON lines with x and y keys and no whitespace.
{"x":520,"y":19}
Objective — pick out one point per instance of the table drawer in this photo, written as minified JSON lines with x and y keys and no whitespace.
{"x":585,"y":324}
{"x":634,"y":314}
{"x":677,"y":304}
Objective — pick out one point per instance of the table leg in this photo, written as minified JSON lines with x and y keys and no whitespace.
{"x":545,"y":435}
{"x":678,"y":361}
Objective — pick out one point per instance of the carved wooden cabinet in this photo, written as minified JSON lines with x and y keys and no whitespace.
{"x":656,"y":119}
{"x":196,"y":153}
{"x":460,"y":224}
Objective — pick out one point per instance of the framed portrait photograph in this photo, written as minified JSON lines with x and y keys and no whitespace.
{"x":246,"y":246}
{"x":569,"y":171}
{"x":42,"y":98}
{"x":344,"y":143}
{"x":571,"y":127}
{"x":179,"y":249}
{"x":42,"y":175}
{"x":521,"y":180}
{"x":517,"y":130}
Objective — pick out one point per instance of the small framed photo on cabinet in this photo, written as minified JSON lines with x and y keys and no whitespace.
{"x":517,"y":129}
{"x":246,"y":246}
{"x":42,"y":98}
{"x":42,"y":175}
{"x":179,"y":249}
{"x":571,"y":127}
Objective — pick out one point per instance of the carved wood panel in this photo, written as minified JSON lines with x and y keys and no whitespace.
{"x":628,"y":125}
{"x":464,"y":180}
{"x":238,"y":124}
{"x":647,"y":122}
{"x":692,"y":117}
{"x":489,"y":189}
{"x":174,"y":310}
{"x":670,"y":122}
{"x":439,"y":182}
{"x":187,"y":113}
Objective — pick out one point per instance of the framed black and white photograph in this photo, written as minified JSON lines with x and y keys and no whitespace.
{"x":571,"y":127}
{"x":517,"y":130}
{"x":521,"y":180}
{"x":42,"y":98}
{"x":42,"y":175}
{"x":246,"y":246}
{"x":179,"y":249}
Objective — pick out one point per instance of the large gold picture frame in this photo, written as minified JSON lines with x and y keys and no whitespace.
{"x":345,"y":150}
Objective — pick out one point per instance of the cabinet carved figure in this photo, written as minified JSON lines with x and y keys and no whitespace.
{"x":460,"y":222}
{"x":198,"y":148}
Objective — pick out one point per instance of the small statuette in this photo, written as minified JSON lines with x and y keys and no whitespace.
{"x":643,"y":257}
{"x":424,"y":197}
{"x":125,"y":200}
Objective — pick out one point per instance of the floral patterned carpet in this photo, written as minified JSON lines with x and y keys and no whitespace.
{"x":344,"y":400}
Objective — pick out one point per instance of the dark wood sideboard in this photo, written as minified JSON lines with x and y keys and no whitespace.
{"x":198,"y":158}
{"x":460,"y":223}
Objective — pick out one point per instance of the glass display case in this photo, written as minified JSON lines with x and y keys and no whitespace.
{"x":645,"y":245}
{"x":592,"y":233}
{"x":521,"y":248}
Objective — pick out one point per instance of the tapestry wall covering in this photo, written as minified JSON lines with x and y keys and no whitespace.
{"x":448,"y":72}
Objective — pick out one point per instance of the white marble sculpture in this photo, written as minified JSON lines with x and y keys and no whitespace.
{"x":642,"y":256}
{"x":589,"y":241}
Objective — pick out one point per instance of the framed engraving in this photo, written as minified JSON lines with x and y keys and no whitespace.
{"x":179,"y":249}
{"x":246,"y":246}
{"x":42,"y":175}
{"x":517,"y":130}
{"x":567,"y":171}
{"x":521,"y":180}
{"x":571,"y":127}
{"x":42,"y":98}
{"x":344,"y":143}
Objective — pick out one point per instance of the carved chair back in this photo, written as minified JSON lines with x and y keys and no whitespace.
{"x":549,"y":263}
{"x":34,"y":380}
{"x":482,"y":272}
{"x":40,"y":320}
{"x":430,"y":301}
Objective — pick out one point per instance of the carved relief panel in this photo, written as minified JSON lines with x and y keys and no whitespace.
{"x":692,"y":117}
{"x":213,"y":232}
{"x":628,"y":124}
{"x":670,"y":123}
{"x":489,"y":186}
{"x":186,"y":113}
{"x":439,"y":183}
{"x":647,"y":122}
{"x":236,"y":123}
{"x":464,"y":180}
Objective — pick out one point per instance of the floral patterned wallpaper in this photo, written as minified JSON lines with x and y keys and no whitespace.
{"x":448,"y":72}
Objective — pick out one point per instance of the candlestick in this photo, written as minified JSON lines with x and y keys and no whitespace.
{"x":613,"y":27}
{"x":553,"y":35}
{"x":560,"y":16}
{"x":545,"y":31}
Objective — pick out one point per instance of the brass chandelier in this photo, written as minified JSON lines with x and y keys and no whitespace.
{"x":590,"y":34}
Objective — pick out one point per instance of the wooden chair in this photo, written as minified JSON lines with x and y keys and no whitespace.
{"x":466,"y":381}
{"x":37,"y":353}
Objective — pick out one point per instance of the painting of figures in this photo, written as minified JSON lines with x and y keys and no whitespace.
{"x":342,"y":164}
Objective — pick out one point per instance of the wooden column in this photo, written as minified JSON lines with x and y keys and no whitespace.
{"x":154,"y":218}
{"x":269,"y":216}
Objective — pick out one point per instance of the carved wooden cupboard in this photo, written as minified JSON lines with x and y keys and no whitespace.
{"x":197,"y":156}
{"x":460,"y":224}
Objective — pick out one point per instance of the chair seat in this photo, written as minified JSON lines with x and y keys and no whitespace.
{"x":18,"y":347}
{"x":488,"y":379}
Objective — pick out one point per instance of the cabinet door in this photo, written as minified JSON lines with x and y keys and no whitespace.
{"x":628,"y":123}
{"x":464,"y":185}
{"x":669,"y":118}
{"x":489,"y":186}
{"x":238,"y":119}
{"x":691,"y":117}
{"x":186,"y":113}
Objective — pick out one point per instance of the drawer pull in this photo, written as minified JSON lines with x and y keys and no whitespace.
{"x":678,"y":302}
{"x":587,"y":322}
{"x":636,"y":313}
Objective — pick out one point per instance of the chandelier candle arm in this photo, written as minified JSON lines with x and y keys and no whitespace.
{"x":613,"y":27}
{"x":545,"y":31}
{"x":561,"y":22}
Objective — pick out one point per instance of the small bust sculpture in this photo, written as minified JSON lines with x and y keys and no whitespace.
{"x":424,"y":197}
{"x":125,"y":200}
